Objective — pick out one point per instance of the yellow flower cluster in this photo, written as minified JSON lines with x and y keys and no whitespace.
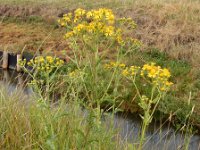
{"x":101,"y":15}
{"x":155,"y":74}
{"x":36,"y":82}
{"x":159,"y":76}
{"x":113,"y":65}
{"x":126,"y":71}
{"x":66,"y":19}
{"x":75,"y":74}
{"x":78,"y":14}
{"x":130,"y":71}
{"x":99,"y":22}
{"x":154,"y":71}
{"x":47,"y":63}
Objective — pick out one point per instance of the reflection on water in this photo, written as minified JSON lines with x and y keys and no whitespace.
{"x":157,"y":138}
{"x":12,"y":80}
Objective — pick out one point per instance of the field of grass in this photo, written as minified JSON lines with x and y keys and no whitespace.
{"x":169,"y":31}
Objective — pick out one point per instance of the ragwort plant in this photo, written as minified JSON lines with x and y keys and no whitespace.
{"x":64,"y":125}
{"x":154,"y":78}
{"x":45,"y":73}
{"x":96,"y":34}
{"x":93,"y":37}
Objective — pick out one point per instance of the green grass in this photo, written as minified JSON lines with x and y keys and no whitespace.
{"x":28,"y":123}
{"x":185,"y":72}
{"x":185,"y":83}
{"x":32,"y":123}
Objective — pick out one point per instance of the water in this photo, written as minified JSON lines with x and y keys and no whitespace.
{"x":159,"y":135}
{"x":128,"y":125}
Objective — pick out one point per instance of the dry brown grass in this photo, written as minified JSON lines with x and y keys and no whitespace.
{"x":15,"y":37}
{"x":172,"y":26}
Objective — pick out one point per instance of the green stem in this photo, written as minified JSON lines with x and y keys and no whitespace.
{"x":142,"y":138}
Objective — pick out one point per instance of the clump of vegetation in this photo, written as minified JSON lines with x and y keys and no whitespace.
{"x":90,"y":80}
{"x":39,"y":125}
{"x":155,"y":79}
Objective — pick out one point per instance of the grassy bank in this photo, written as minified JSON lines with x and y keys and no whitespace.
{"x":28,"y":123}
{"x":169,"y":30}
{"x":171,"y":26}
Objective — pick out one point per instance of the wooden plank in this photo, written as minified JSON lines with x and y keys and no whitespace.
{"x":19,"y":57}
{"x":5,"y":60}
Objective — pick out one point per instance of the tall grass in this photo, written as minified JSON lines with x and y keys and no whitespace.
{"x":54,"y":118}
{"x":40,"y":125}
{"x":31,"y":122}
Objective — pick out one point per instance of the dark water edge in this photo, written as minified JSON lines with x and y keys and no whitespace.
{"x":159,"y":136}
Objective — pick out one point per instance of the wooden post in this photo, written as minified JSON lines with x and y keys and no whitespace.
{"x":5,"y":60}
{"x":19,"y":57}
{"x":6,"y":76}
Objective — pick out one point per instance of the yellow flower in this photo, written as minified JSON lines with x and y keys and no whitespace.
{"x":76,"y":19}
{"x":68,"y":35}
{"x":114,"y":65}
{"x":125,"y":72}
{"x":119,"y":39}
{"x":167,"y":83}
{"x":41,"y":59}
{"x":75,"y":74}
{"x":49,"y":59}
{"x":157,"y":75}
{"x":152,"y":73}
{"x":163,"y":89}
{"x":72,"y":74}
{"x":79,"y":28}
{"x":165,"y":73}
{"x":107,"y":66}
{"x":67,"y":17}
{"x":89,"y":14}
{"x":62,"y":22}
{"x":79,"y":12}
{"x":61,"y":62}
{"x":133,"y":70}
{"x":29,"y":63}
{"x":108,"y":31}
{"x":122,"y":65}
{"x":48,"y":68}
